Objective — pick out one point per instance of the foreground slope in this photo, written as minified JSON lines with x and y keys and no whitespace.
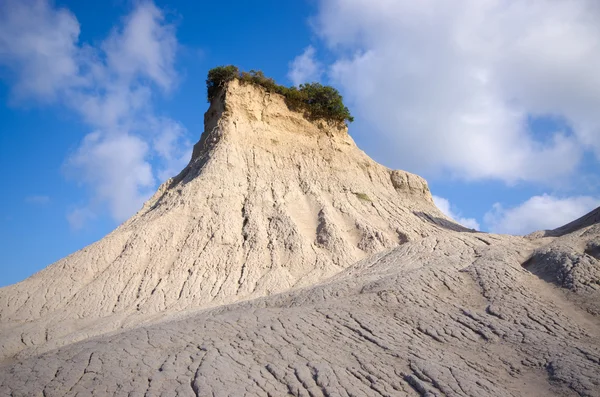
{"x":269,"y":201}
{"x":284,"y":261}
{"x":455,"y":314}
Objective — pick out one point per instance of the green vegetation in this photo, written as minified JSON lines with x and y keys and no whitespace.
{"x":314,"y":99}
{"x":218,"y":77}
{"x":363,"y":197}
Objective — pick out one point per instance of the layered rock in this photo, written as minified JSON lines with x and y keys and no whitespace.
{"x":269,"y":201}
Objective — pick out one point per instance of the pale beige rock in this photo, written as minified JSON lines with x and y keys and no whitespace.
{"x":269,"y":202}
{"x":380,"y":294}
{"x":449,"y":315}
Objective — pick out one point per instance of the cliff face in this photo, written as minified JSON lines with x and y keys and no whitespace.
{"x":269,"y":201}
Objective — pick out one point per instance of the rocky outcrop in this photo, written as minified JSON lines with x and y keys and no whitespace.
{"x":269,"y":201}
{"x":572,"y":262}
{"x":284,"y":261}
{"x":410,"y":183}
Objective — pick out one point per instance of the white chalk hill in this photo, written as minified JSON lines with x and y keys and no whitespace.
{"x":269,"y":201}
{"x":284,"y":261}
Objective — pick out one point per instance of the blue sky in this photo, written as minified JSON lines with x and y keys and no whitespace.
{"x":494,"y":102}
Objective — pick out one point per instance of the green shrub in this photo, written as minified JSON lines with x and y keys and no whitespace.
{"x":362,"y":196}
{"x":314,"y":99}
{"x":218,"y":77}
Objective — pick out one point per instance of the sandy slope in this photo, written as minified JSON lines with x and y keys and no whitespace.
{"x":455,"y":314}
{"x":284,"y":261}
{"x":268,"y":202}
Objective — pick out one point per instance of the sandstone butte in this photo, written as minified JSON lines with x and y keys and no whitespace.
{"x":284,"y":261}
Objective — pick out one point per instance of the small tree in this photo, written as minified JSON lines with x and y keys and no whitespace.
{"x":218,"y":77}
{"x":324,"y":102}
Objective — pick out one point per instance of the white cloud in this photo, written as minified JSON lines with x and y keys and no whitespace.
{"x":144,"y":46}
{"x":172,"y":146}
{"x":38,"y":44}
{"x":112,"y":86}
{"x":449,"y":85}
{"x":305,"y":68}
{"x":37,"y":199}
{"x":444,"y":206}
{"x":103,"y":160}
{"x":538,"y":213}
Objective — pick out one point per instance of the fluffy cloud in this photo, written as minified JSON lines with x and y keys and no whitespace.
{"x":112,"y":86}
{"x":103,"y":159}
{"x":451,"y":85}
{"x":144,"y":46}
{"x":172,"y":146}
{"x":305,"y":68}
{"x":38,"y":43}
{"x":444,"y":206}
{"x":538,"y":213}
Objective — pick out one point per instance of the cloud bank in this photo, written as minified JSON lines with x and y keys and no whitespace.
{"x":544,"y":212}
{"x":111,"y":86}
{"x":454,"y":85}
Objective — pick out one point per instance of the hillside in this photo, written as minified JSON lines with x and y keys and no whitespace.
{"x":284,"y":261}
{"x":269,"y":201}
{"x":454,"y":314}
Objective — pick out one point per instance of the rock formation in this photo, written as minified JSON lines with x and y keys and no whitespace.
{"x":284,"y":261}
{"x":268,"y":202}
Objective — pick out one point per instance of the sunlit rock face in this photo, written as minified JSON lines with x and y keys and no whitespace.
{"x":284,"y":261}
{"x":269,"y":201}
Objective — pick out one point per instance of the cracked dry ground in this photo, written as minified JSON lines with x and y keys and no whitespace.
{"x":454,"y":315}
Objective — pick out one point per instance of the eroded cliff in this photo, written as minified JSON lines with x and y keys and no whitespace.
{"x":269,"y":201}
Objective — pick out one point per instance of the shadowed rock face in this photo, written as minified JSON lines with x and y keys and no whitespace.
{"x":572,"y":262}
{"x":379,"y":293}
